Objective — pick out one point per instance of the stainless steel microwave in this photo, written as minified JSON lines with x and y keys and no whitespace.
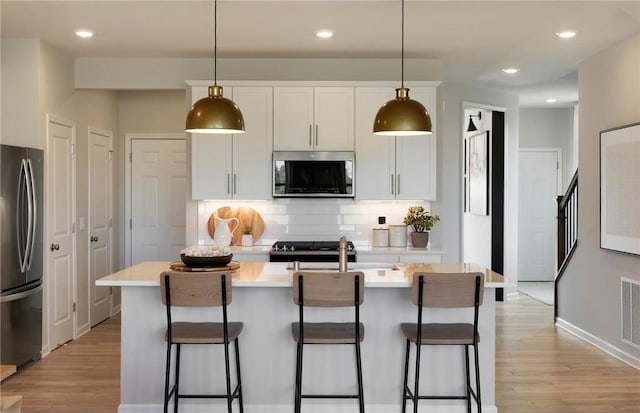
{"x":313,"y":174}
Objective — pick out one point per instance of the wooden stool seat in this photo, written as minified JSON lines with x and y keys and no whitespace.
{"x":327,"y":333}
{"x":203,"y":333}
{"x":440,"y":334}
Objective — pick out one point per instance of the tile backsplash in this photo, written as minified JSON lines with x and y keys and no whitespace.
{"x":313,"y":219}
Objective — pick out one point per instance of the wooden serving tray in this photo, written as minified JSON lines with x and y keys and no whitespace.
{"x":180,"y":266}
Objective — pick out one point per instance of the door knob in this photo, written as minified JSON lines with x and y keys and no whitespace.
{"x":94,"y":239}
{"x":54,"y":247}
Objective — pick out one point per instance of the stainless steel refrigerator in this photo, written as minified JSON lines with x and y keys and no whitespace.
{"x":21,"y":253}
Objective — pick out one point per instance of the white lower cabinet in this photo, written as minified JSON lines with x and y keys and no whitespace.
{"x":236,"y":166}
{"x":390,"y":167}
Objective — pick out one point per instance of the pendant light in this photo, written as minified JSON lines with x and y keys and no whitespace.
{"x":402,"y":116}
{"x":215,"y":113}
{"x":472,"y":126}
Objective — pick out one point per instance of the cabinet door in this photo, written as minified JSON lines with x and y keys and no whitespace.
{"x":333,"y":117}
{"x":375,"y":155}
{"x":211,"y":166}
{"x":416,"y":156}
{"x":293,"y":118}
{"x":252,"y":150}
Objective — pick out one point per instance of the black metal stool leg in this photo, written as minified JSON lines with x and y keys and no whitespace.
{"x":360,"y":387}
{"x":228,"y":374}
{"x":415,"y":394}
{"x":477,"y":362}
{"x":166,"y":378}
{"x":176,"y":395}
{"x":467,"y":378}
{"x":406,"y":377}
{"x":238,"y":374}
{"x":298,"y":395}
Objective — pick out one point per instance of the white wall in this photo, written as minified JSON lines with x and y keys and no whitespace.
{"x":550,"y":128}
{"x":21,"y":123}
{"x":589,"y":294}
{"x":451,"y":99}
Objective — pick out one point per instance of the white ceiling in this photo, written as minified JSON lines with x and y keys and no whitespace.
{"x":474,"y":39}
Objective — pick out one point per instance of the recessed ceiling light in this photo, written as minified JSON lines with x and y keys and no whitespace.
{"x":324,"y":34}
{"x":566,"y":34}
{"x":510,"y":70}
{"x":85,"y":34}
{"x":552,"y":100}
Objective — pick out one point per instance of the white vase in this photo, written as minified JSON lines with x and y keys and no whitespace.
{"x":247,"y":240}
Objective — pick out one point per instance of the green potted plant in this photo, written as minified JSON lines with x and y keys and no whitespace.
{"x":247,"y":236}
{"x":420,"y":222}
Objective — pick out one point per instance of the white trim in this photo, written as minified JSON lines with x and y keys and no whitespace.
{"x":601,"y":344}
{"x":127,"y":185}
{"x":423,"y":407}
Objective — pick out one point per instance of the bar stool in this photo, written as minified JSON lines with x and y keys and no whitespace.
{"x":180,"y":289}
{"x":444,"y":291}
{"x":341,"y":289}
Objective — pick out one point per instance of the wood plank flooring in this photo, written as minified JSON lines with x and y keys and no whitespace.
{"x":539,"y":369}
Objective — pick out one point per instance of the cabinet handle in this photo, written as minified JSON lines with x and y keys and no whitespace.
{"x":228,"y":183}
{"x":398,"y":186}
{"x":235,"y":191}
{"x":310,"y":135}
{"x":392,"y":185}
{"x":316,"y":135}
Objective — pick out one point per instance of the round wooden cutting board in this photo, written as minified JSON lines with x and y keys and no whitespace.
{"x":247,"y":217}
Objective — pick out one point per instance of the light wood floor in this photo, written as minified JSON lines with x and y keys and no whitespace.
{"x":539,"y":369}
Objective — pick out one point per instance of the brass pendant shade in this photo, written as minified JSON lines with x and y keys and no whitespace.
{"x":402,"y":116}
{"x":215,"y":114}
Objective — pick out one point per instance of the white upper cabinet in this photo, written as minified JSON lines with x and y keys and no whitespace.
{"x":393,"y":167}
{"x":236,"y":166}
{"x":308,"y":119}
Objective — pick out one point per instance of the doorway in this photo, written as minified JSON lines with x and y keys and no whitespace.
{"x":540,"y":182}
{"x":156,"y":196}
{"x":60,"y":229}
{"x":100,"y":221}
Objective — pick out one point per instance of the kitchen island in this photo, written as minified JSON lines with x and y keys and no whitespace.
{"x":262,"y":300}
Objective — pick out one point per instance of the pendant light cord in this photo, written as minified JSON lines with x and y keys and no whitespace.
{"x":215,"y":42}
{"x":402,"y":58}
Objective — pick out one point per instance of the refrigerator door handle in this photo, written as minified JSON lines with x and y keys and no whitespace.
{"x":22,"y":244}
{"x":21,"y":294}
{"x":33,"y":214}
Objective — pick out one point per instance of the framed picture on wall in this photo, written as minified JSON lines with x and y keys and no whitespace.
{"x":620,"y":189}
{"x":478,"y":174}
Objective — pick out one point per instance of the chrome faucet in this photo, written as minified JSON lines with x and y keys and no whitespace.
{"x":342,"y":254}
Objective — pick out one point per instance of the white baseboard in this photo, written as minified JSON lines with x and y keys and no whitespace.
{"x":515,"y":295}
{"x":424,"y":407}
{"x":601,"y":344}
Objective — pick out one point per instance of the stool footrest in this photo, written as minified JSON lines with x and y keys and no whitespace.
{"x":329,"y":396}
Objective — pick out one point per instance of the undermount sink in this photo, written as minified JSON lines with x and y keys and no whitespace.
{"x":333,"y":266}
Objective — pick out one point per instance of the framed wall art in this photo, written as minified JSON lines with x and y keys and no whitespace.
{"x":478,"y":174}
{"x":620,"y":189}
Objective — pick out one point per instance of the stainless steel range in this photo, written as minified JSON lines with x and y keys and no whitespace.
{"x":309,"y":251}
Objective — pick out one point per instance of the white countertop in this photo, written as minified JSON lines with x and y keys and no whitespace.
{"x":275,"y":274}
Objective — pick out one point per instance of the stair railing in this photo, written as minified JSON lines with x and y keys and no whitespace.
{"x":567,"y":232}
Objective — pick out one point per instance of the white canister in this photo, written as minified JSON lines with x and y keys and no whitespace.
{"x":397,"y":235}
{"x":380,"y":237}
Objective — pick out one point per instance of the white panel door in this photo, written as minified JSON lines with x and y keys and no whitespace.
{"x":158,"y":199}
{"x":538,"y":183}
{"x":252,"y":149}
{"x":333,"y":117}
{"x":60,"y":227}
{"x":416,"y":156}
{"x":375,"y":163}
{"x":100,"y":222}
{"x":292,"y":119}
